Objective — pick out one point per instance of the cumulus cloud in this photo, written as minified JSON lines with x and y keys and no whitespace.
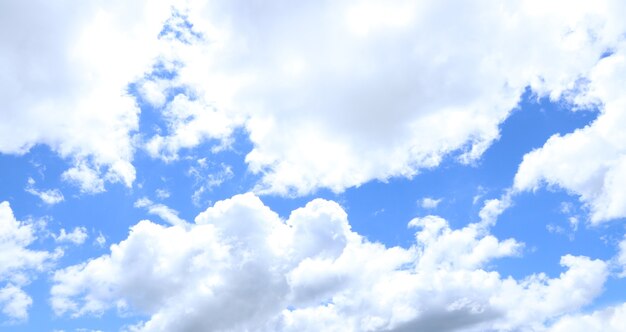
{"x":493,"y":208}
{"x":14,"y":302}
{"x":332,"y":94}
{"x":76,"y":236}
{"x":337,"y":94}
{"x":85,"y":177}
{"x":18,"y":263}
{"x":240,"y":267}
{"x":591,"y":161}
{"x":64,"y":78}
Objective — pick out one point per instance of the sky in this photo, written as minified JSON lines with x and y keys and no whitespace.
{"x":354,"y":165}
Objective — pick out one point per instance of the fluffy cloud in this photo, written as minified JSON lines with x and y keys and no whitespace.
{"x":590,"y":162}
{"x":240,"y":267}
{"x":335,"y":94}
{"x":76,"y":236}
{"x":65,"y":72}
{"x":17,"y":263}
{"x":612,"y":319}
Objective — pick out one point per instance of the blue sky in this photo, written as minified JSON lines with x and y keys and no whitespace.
{"x":354,"y":166}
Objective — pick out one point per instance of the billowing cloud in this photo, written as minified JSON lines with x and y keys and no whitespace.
{"x":240,"y":267}
{"x":76,"y":236}
{"x":18,"y":263}
{"x":335,"y":94}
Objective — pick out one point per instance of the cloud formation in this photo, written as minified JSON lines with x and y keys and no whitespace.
{"x":240,"y":267}
{"x":76,"y":236}
{"x":330,"y":95}
{"x":337,"y":94}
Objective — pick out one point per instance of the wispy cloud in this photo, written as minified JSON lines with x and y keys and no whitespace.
{"x":162,"y":211}
{"x":49,"y":197}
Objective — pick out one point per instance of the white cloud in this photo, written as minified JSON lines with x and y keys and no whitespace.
{"x":87,"y":178}
{"x":18,"y":263}
{"x":377,"y":90}
{"x":493,"y":208}
{"x":240,"y":267}
{"x":591,"y":161}
{"x":50,"y":197}
{"x":65,"y":72}
{"x":162,"y":211}
{"x":430,"y":203}
{"x":14,"y":302}
{"x":77,"y":236}
{"x":611,"y":319}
